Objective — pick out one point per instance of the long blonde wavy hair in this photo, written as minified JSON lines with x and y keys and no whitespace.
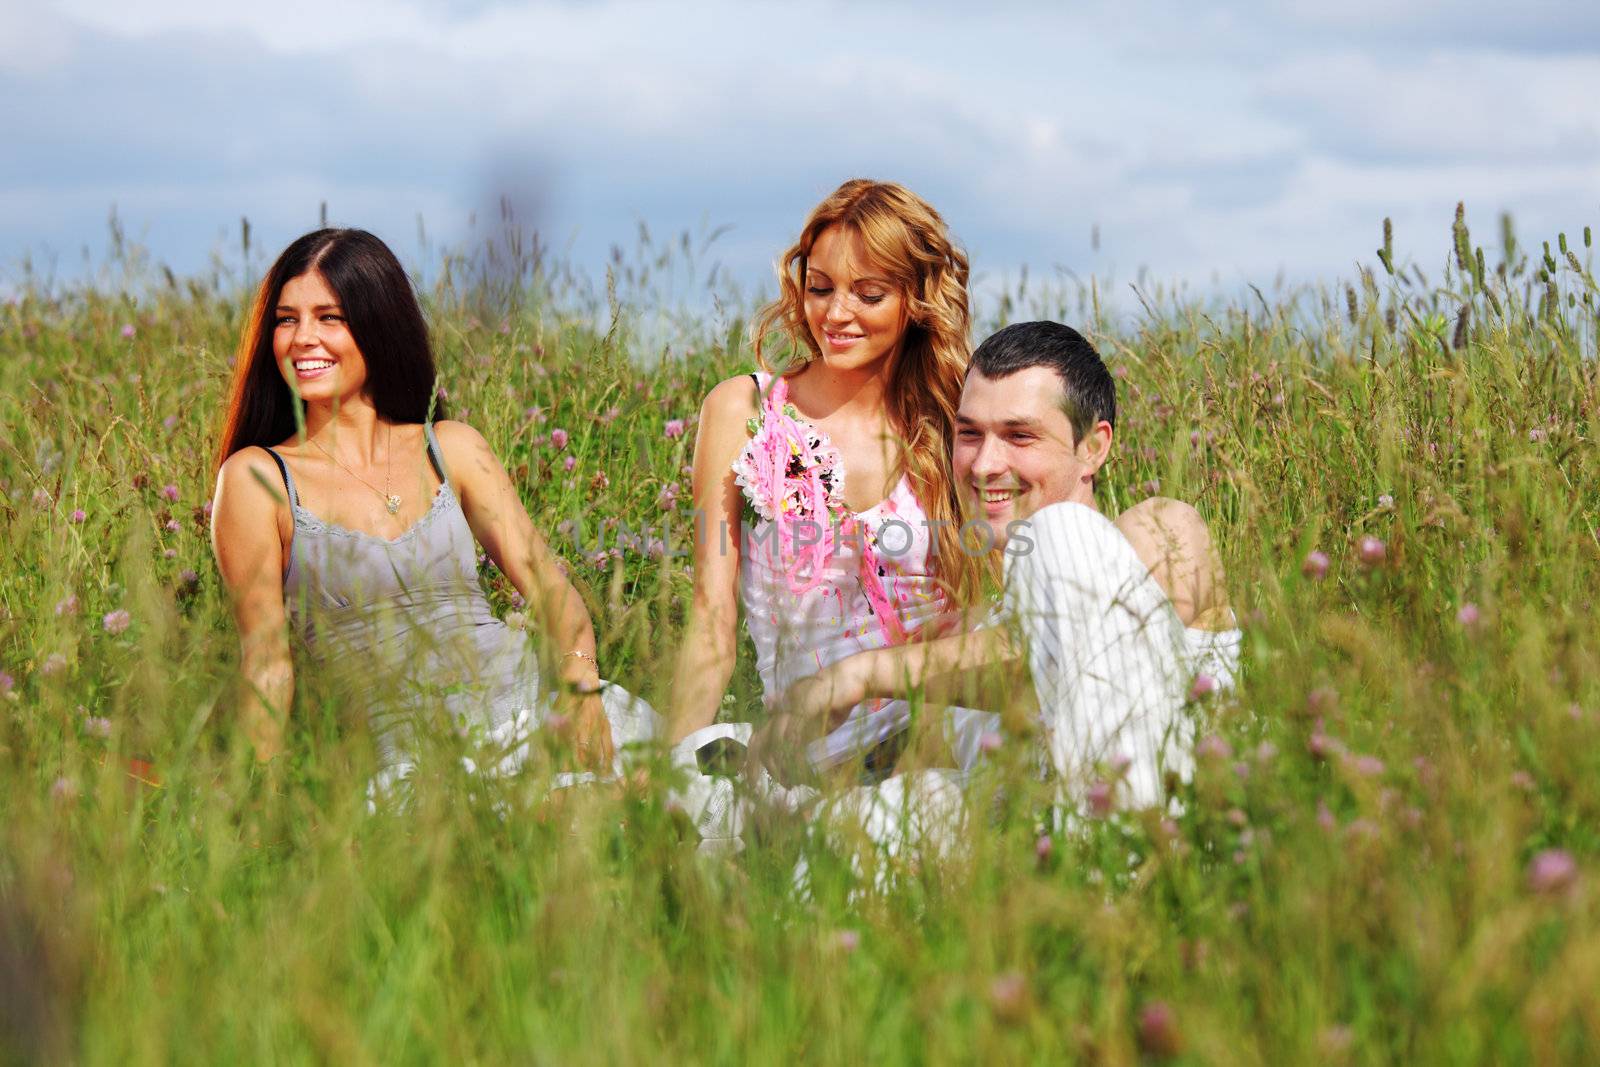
{"x":907,"y":240}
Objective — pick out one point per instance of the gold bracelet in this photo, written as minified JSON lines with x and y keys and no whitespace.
{"x":585,"y":688}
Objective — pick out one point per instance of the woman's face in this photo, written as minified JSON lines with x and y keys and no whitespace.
{"x":311,"y":342}
{"x":855,"y":312}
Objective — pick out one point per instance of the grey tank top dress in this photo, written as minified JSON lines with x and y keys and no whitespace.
{"x":402,"y":629}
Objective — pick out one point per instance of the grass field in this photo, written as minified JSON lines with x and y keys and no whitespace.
{"x":1390,"y":851}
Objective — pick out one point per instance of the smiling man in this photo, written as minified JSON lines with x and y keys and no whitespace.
{"x":1114,"y":622}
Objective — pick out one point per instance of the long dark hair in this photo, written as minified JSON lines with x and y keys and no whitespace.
{"x":385,"y":322}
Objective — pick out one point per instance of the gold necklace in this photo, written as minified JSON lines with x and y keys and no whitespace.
{"x":391,"y":500}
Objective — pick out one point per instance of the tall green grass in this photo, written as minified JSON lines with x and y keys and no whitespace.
{"x":1370,"y":864}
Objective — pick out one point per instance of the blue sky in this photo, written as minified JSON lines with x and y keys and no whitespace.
{"x":1215,"y":143}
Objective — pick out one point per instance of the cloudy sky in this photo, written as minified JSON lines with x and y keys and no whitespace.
{"x":1216,"y":143}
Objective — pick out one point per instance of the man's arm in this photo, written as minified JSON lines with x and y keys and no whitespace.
{"x":1173,"y":542}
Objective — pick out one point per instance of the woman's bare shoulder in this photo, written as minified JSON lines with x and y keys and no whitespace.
{"x":250,"y":474}
{"x":732,"y":398}
{"x":452,"y":432}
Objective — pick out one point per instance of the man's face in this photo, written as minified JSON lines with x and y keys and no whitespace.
{"x":1015,"y":450}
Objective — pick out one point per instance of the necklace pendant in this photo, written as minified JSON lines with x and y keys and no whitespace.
{"x":392,"y":502}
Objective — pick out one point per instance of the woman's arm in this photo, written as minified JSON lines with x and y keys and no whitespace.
{"x":498,"y":520}
{"x":248,"y":520}
{"x":964,"y":669}
{"x":709,"y":646}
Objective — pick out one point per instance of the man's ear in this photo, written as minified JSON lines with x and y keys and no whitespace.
{"x":1094,"y":448}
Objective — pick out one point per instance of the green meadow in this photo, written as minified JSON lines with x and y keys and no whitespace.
{"x":1389,"y":852}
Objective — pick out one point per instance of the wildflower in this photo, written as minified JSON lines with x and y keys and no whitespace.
{"x":1152,"y":486}
{"x":1315,"y":566}
{"x":53,"y":665}
{"x":67,"y":605}
{"x":1386,"y":502}
{"x":170,"y":491}
{"x":1365,"y":829}
{"x":1266,"y":752}
{"x":1238,"y":818}
{"x":1467,"y":615}
{"x":1522,"y":780}
{"x":173,"y":526}
{"x":115,"y":622}
{"x":1158,"y":1030}
{"x":1322,"y":700}
{"x":1214,"y":746}
{"x":847,"y":941}
{"x":169,"y":423}
{"x":600,"y":482}
{"x":41,"y":498}
{"x":78,"y":515}
{"x":568,"y":462}
{"x":668,"y":497}
{"x":97,"y":726}
{"x":170,"y":553}
{"x":1552,"y":871}
{"x":1204,"y":685}
{"x":1118,"y":764}
{"x":609,"y":415}
{"x":7,"y":683}
{"x":1321,"y":746}
{"x":188,"y":579}
{"x":1335,"y":1040}
{"x":655,"y":548}
{"x":517,"y":620}
{"x":63,"y":790}
{"x":558,"y":439}
{"x":1043,"y":847}
{"x":1536,"y":434}
{"x":1371,"y":551}
{"x":1099,"y":798}
{"x":673,"y":430}
{"x":1008,"y":996}
{"x":989,"y":741}
{"x":128,"y":331}
{"x":1366,"y":766}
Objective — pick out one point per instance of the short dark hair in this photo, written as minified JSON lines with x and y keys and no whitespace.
{"x":386,"y":324}
{"x":1089,"y":391}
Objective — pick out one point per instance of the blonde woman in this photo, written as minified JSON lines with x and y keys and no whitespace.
{"x":822,"y":481}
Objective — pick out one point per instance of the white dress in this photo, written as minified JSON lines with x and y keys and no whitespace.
{"x":804,"y":617}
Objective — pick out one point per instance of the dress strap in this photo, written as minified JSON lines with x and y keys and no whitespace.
{"x":435,"y":453}
{"x":288,"y":479}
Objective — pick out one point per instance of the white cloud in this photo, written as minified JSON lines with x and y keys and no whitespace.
{"x":1446,"y":105}
{"x":32,"y":41}
{"x":1226,"y":139}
